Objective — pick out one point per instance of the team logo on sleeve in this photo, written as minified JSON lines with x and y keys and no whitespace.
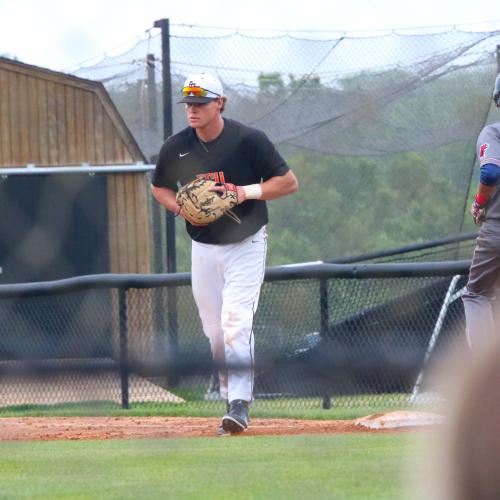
{"x":482,"y":150}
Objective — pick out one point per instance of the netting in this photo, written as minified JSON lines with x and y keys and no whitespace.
{"x":452,"y":248}
{"x":354,"y":341}
{"x":380,"y":130}
{"x":381,"y":133}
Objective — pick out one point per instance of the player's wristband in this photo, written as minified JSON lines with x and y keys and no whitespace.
{"x":481,"y":200}
{"x":253,"y":191}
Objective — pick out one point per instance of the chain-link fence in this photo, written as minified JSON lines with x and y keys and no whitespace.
{"x":325,"y":334}
{"x":450,"y":248}
{"x":380,"y":130}
{"x":381,"y":133}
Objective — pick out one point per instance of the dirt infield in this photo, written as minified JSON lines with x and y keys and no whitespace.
{"x":82,"y":428}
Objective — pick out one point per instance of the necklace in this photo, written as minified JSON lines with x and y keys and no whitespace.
{"x":203,"y":145}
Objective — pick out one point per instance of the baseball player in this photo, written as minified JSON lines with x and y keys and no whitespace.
{"x":227,"y":258}
{"x":484,"y":274}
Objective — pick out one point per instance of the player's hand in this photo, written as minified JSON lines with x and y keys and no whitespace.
{"x":243,"y":193}
{"x":478,"y":213}
{"x":223,"y":187}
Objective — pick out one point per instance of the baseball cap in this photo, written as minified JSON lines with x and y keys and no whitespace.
{"x":201,"y":88}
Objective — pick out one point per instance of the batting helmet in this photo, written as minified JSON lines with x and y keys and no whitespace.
{"x":496,"y":92}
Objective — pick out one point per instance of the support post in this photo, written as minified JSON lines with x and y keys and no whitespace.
{"x":164,"y":25}
{"x":122,"y":307}
{"x":323,"y":306}
{"x":172,"y":378}
{"x":152,"y":104}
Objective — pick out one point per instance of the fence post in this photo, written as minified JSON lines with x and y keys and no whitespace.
{"x":323,"y":329}
{"x":122,"y":306}
{"x":173,"y":344}
{"x":164,"y":25}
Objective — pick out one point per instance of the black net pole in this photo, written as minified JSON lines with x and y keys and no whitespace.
{"x":122,"y":301}
{"x":323,"y":305}
{"x":151,"y":88}
{"x":163,"y":24}
{"x":173,"y":378}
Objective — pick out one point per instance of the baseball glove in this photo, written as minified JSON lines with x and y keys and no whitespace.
{"x":202,"y":206}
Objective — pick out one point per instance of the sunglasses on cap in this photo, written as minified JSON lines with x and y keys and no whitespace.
{"x":197,"y":92}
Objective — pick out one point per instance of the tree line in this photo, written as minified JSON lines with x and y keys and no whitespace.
{"x":354,"y":203}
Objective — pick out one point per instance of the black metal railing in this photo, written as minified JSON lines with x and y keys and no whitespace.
{"x":322,"y":330}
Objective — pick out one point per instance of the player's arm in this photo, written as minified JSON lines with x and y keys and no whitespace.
{"x":484,"y":193}
{"x":162,"y":177}
{"x":489,"y":179}
{"x":278,"y":181}
{"x":271,"y":189}
{"x":166,"y":197}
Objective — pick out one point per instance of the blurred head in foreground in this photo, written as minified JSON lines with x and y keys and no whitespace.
{"x":465,"y":459}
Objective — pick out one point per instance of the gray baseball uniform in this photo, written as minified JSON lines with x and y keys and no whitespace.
{"x":484,"y":275}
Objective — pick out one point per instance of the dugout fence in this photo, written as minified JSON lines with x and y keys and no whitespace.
{"x":325,"y":335}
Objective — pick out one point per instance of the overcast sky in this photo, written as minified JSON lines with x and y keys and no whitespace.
{"x":59,"y":35}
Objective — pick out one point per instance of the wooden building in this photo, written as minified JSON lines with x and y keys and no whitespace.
{"x":69,"y":224}
{"x":53,"y":119}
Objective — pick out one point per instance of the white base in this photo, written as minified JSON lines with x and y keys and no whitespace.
{"x":397,"y":419}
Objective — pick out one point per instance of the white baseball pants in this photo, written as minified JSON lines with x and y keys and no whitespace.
{"x":226,"y":281}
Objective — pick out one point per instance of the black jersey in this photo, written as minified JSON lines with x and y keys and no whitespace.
{"x":241,"y":155}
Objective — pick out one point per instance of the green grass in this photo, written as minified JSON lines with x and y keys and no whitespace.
{"x":348,"y":466}
{"x":302,"y":408}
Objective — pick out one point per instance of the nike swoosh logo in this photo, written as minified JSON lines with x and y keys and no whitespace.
{"x":181,"y":155}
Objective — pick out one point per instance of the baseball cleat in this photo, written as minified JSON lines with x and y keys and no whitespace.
{"x":221,"y":432}
{"x":236,"y":419}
